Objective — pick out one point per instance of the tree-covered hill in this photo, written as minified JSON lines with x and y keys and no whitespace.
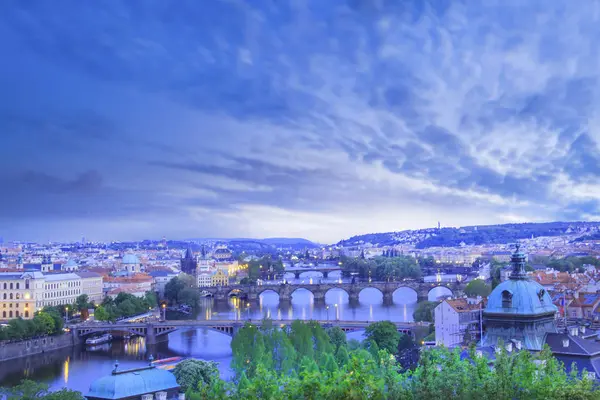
{"x":474,"y":235}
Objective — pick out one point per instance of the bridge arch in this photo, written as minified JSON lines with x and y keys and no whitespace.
{"x":302,"y":288}
{"x":439,"y":291}
{"x":236,"y":293}
{"x":409,"y":295}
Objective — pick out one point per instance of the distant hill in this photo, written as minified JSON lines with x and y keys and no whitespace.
{"x":474,"y":235}
{"x":252,"y":245}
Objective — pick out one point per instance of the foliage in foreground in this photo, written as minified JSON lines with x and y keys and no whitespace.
{"x":30,"y":390}
{"x":303,"y":362}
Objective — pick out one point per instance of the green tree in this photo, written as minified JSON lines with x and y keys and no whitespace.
{"x":151,"y":299}
{"x":477,"y":287}
{"x":101,"y":314}
{"x":44,"y":323}
{"x":64,"y":394}
{"x":424,"y":311}
{"x":82,"y":302}
{"x":25,"y":390}
{"x":337,"y":337}
{"x":342,"y":357}
{"x":385,"y":335}
{"x":172,"y":289}
{"x":193,"y":374}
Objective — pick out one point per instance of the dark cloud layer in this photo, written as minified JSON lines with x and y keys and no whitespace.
{"x":309,"y":118}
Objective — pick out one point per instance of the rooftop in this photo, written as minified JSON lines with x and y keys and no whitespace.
{"x":132,"y":383}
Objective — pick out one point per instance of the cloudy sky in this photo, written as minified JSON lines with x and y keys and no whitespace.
{"x":307,"y":118}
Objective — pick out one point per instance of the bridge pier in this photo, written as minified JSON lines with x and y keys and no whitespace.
{"x":388,"y":298}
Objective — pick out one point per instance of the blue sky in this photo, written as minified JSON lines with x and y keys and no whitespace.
{"x":322,"y":119}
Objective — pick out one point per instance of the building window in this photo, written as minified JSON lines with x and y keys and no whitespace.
{"x":4,"y":296}
{"x":506,"y":299}
{"x":3,"y":314}
{"x":26,"y":283}
{"x":18,"y":296}
{"x":11,"y":296}
{"x":26,"y":314}
{"x":10,"y":314}
{"x":17,"y":285}
{"x":11,"y":285}
{"x":17,"y":313}
{"x":4,"y":285}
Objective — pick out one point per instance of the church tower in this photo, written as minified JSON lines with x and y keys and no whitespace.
{"x":47,"y":264}
{"x":189,"y":263}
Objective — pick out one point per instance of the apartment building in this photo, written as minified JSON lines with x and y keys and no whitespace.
{"x":457,"y":319}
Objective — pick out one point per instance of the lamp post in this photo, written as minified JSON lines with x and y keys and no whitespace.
{"x":248,"y":309}
{"x":66,"y":313}
{"x":327,"y":308}
{"x":164,"y":309}
{"x":337,"y":314}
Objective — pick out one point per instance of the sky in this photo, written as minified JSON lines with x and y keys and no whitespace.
{"x":125,"y":120}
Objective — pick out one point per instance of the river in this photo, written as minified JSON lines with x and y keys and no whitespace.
{"x":77,"y":368}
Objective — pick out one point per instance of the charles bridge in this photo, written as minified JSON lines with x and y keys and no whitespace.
{"x":159,"y":330}
{"x":285,"y":290}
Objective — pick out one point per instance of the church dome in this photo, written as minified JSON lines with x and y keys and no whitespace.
{"x":71,"y":264}
{"x":519,"y":295}
{"x":130,"y":259}
{"x":523,"y":297}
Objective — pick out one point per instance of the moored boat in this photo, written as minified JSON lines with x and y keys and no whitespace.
{"x":94,"y":341}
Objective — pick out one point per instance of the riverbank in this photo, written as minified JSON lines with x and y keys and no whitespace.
{"x":28,"y":347}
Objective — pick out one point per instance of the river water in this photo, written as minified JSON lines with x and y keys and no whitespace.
{"x":77,"y":368}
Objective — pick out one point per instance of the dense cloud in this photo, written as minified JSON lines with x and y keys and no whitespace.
{"x":312,"y":118}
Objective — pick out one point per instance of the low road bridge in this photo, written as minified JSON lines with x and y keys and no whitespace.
{"x":285,"y":291}
{"x":154,"y":331}
{"x":324,"y":270}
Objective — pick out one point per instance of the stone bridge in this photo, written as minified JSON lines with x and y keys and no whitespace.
{"x":253,"y":292}
{"x":154,"y":331}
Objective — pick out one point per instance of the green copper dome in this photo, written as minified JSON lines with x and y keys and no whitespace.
{"x":132,"y":383}
{"x":519,"y":295}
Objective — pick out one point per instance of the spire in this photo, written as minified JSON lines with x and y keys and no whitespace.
{"x":203,"y":251}
{"x":188,"y":253}
{"x":518,"y":263}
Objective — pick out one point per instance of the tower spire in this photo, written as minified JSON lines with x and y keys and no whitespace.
{"x":518,"y":263}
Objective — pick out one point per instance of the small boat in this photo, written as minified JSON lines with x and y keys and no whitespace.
{"x":94,"y":341}
{"x":168,"y":363}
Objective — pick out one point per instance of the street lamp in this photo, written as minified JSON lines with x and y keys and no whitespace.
{"x":327,"y":308}
{"x":337,"y":315}
{"x":67,"y":314}
{"x":248,"y":308}
{"x":164,"y":307}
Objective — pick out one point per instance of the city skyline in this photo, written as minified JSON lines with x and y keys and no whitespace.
{"x":313,"y":120}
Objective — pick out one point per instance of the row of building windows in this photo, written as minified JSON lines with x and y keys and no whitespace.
{"x":10,"y":305}
{"x":10,"y":296}
{"x":61,"y":294}
{"x":12,"y":286}
{"x":17,"y":315}
{"x":57,"y":285}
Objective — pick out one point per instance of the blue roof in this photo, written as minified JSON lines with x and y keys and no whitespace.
{"x":71,"y":263}
{"x":528,"y":298}
{"x":159,"y":273}
{"x":132,"y":383}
